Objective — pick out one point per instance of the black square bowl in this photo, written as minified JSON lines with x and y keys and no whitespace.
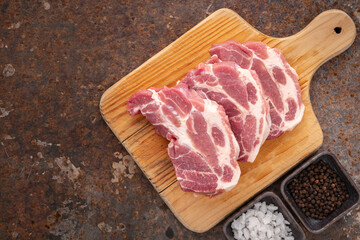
{"x":316,"y":225}
{"x":269,"y":198}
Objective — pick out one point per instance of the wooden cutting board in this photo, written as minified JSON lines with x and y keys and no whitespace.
{"x":305,"y":51}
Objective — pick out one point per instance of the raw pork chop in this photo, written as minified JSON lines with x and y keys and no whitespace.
{"x":278,"y":79}
{"x":239,"y":92}
{"x":202,"y":147}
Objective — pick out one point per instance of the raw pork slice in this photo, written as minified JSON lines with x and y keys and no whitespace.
{"x":239,"y":92}
{"x":202,"y":147}
{"x":278,"y":79}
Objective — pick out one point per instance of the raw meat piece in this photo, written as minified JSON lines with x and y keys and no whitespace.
{"x":239,"y":92}
{"x":278,"y":79}
{"x":202,"y":147}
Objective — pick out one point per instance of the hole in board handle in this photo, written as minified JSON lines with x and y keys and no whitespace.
{"x":337,"y":30}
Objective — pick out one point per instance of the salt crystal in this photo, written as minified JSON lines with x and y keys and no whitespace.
{"x":262,"y":228}
{"x":253,"y":234}
{"x":277,"y":238}
{"x":262,"y":235}
{"x":238,"y":235}
{"x":272,"y":208}
{"x":234,"y":223}
{"x":242,"y":219}
{"x":282,"y":227}
{"x":279,"y":219}
{"x":267,"y":218}
{"x":257,"y":206}
{"x":253,"y":222}
{"x":246,"y":233}
{"x":260,"y":215}
{"x":263,"y":207}
{"x":249,"y":213}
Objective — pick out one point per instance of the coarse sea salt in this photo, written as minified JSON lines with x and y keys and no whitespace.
{"x":261,"y":222}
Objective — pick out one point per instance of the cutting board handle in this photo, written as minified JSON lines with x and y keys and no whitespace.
{"x":328,"y":35}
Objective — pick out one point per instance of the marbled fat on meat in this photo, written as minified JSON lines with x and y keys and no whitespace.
{"x":278,"y":80}
{"x":202,"y":147}
{"x":238,"y":91}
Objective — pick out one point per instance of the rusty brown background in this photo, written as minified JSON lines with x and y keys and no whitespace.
{"x":63,"y":174}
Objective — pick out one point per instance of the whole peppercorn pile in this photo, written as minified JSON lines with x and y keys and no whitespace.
{"x":318,"y":190}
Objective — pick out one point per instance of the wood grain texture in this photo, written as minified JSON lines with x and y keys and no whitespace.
{"x":305,"y":51}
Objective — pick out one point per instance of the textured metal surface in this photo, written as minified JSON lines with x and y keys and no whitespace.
{"x":63,"y":174}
